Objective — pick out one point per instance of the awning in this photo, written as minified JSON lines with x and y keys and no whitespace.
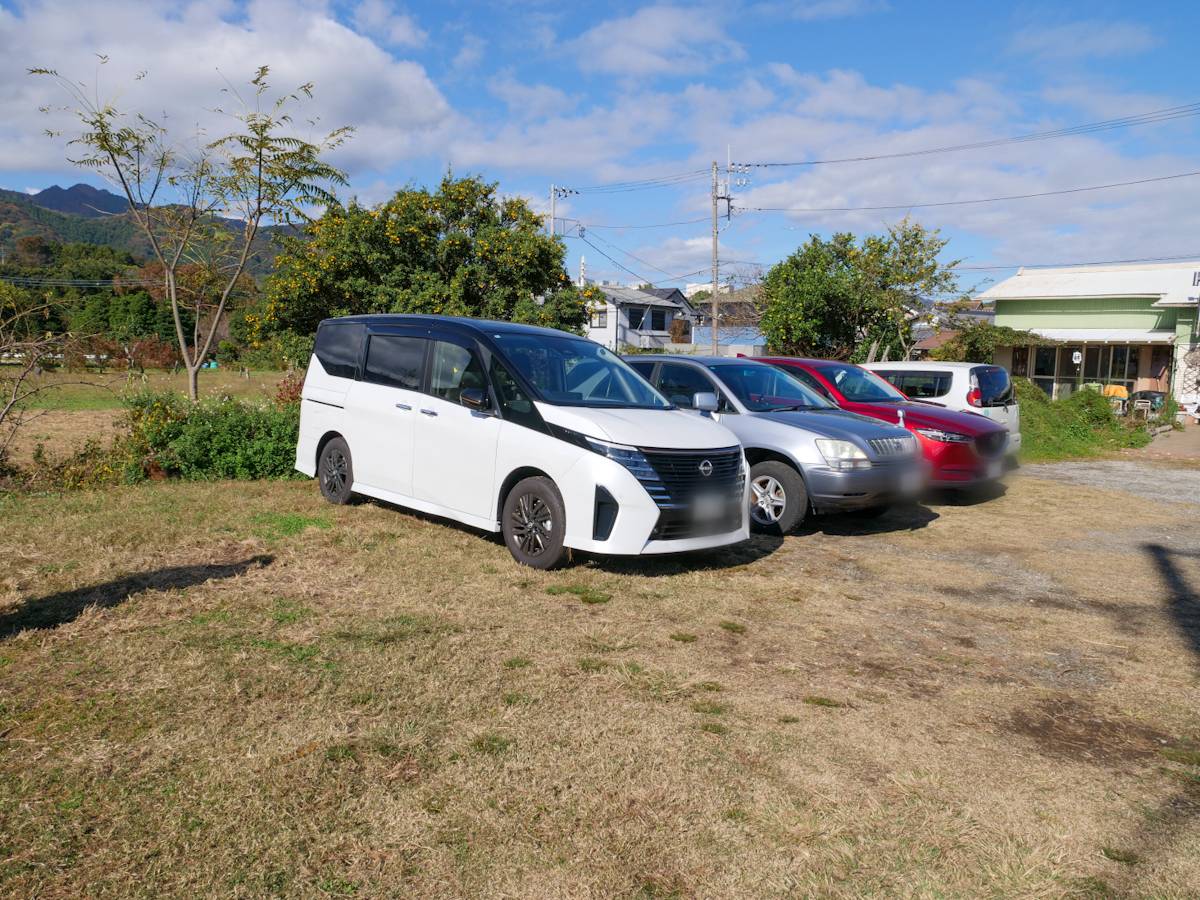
{"x":1106,"y":335}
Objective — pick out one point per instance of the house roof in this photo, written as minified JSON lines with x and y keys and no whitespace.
{"x":626,"y":296}
{"x":935,"y":340}
{"x":1168,"y":284}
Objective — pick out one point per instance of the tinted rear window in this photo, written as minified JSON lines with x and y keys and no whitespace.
{"x":338,"y":347}
{"x":919,"y":385}
{"x":995,"y":387}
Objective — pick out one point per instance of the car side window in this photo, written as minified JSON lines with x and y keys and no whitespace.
{"x":679,"y":382}
{"x":454,"y":369}
{"x":645,"y":368}
{"x":515,"y":405}
{"x":809,"y":381}
{"x":395,"y":360}
{"x":337,"y":348}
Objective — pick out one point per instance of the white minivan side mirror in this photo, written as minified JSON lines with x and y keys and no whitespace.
{"x":704,"y":401}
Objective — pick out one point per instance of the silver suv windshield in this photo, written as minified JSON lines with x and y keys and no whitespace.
{"x":763,"y":388}
{"x":570,"y":371}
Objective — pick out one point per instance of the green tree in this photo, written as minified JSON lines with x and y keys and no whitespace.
{"x":180,"y":192}
{"x":460,"y":250}
{"x":840,"y":298}
{"x":978,"y":342}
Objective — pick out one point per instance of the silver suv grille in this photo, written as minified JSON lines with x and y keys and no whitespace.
{"x":893,"y":446}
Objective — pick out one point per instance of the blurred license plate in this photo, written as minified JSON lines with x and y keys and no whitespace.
{"x":708,"y":507}
{"x":911,"y":482}
{"x":995,"y":468}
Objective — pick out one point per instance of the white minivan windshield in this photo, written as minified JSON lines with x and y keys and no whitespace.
{"x":574,"y":372}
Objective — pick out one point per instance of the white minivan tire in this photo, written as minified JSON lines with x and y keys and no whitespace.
{"x":335,"y":472}
{"x":534,"y":523}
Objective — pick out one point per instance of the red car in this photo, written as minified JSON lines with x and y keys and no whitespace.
{"x":963,"y":449}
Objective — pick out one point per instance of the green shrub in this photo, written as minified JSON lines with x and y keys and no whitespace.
{"x":223,"y":438}
{"x":280,"y":350}
{"x":1082,"y":424}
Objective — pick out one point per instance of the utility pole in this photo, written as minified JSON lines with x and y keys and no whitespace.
{"x":714,"y":304}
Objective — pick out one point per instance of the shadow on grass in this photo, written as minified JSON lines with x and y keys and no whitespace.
{"x":66,"y":606}
{"x":968,"y":496}
{"x":659,"y":565}
{"x":909,"y":517}
{"x":1183,"y":601}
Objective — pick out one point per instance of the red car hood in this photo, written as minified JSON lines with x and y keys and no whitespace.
{"x":925,"y":415}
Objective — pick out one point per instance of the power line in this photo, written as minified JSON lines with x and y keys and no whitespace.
{"x":1078,"y":190}
{"x":634,"y":256}
{"x":631,"y":226}
{"x":30,"y":281}
{"x":1154,"y":116}
{"x":620,"y":187}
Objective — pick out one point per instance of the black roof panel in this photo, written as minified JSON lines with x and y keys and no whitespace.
{"x":482,"y":326}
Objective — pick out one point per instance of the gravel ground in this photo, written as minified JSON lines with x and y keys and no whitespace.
{"x":1153,"y":481}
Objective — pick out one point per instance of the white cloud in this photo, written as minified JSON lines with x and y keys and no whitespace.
{"x":378,"y":20}
{"x":529,"y":101}
{"x":817,"y":10}
{"x":657,"y":40}
{"x":470,"y":53}
{"x":1083,"y":40}
{"x":189,"y":54}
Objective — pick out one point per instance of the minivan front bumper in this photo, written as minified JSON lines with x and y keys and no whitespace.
{"x":638,"y":516}
{"x":841,"y":490}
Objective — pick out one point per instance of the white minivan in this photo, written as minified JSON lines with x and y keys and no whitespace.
{"x":967,"y":387}
{"x":544,"y":436}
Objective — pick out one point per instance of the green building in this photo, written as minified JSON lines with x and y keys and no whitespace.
{"x":1129,"y":325}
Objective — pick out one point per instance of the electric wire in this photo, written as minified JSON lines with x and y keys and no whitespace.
{"x":1166,"y":114}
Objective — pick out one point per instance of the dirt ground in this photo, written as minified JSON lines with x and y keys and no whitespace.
{"x":236,"y":690}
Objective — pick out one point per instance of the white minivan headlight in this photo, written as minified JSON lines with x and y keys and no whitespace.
{"x":630,"y":457}
{"x":843,"y":454}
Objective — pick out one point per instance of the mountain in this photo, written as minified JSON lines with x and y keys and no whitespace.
{"x":22,"y":215}
{"x":80,"y":200}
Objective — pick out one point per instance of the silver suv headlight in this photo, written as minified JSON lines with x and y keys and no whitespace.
{"x":843,"y":454}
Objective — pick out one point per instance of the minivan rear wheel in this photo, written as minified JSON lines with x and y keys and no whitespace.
{"x":778,"y":498}
{"x":335,"y":471}
{"x":534,"y":523}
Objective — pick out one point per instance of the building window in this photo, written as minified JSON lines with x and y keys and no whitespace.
{"x":658,"y":320}
{"x":636,"y":314}
{"x":1044,"y":360}
{"x":600,"y":317}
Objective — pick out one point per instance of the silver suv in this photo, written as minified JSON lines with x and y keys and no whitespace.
{"x":805,"y":454}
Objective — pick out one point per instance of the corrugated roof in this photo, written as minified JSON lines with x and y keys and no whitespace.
{"x":1169,"y":284}
{"x":625,"y":295}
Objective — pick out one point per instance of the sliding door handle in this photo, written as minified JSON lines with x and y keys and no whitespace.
{"x":403,"y":406}
{"x":428,"y":412}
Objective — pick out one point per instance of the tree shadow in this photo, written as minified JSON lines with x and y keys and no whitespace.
{"x":47,"y":612}
{"x":1183,"y":602}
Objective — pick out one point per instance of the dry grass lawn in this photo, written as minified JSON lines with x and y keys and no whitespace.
{"x":237,"y":690}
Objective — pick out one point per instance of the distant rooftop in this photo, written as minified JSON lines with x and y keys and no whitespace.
{"x":1169,"y":284}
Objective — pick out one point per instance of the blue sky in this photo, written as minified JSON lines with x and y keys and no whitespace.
{"x":533,"y":93}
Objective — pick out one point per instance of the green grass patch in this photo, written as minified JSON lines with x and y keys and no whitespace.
{"x":1122,"y":856}
{"x":714,"y":727}
{"x":1185,"y":755}
{"x":788,"y":720}
{"x":824,"y":701}
{"x":289,"y":612}
{"x":733,"y":627}
{"x":274,"y":526}
{"x":683,"y":637}
{"x":591,"y":664}
{"x":712,"y":686}
{"x":491,"y":744}
{"x":709,"y":708}
{"x":586,"y":594}
{"x":517,"y":662}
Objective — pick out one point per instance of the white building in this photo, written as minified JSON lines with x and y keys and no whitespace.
{"x":647,"y":319}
